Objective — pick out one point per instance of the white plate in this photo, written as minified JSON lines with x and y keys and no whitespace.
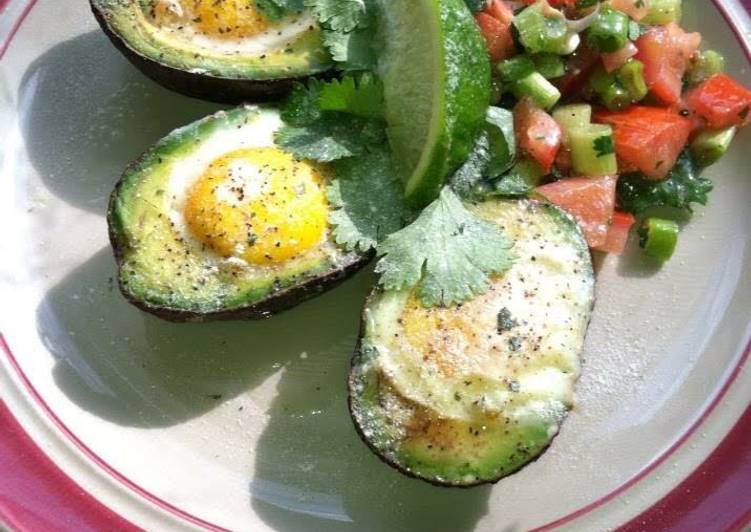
{"x":244,"y":425}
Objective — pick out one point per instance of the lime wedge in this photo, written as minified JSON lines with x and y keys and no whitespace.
{"x":436,"y":76}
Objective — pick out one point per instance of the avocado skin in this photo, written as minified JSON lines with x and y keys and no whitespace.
{"x":274,"y":304}
{"x":201,"y":86}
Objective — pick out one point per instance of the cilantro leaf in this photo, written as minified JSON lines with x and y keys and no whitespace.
{"x":682,"y":187}
{"x":468,"y":180}
{"x":302,"y":105}
{"x":520,"y":181}
{"x":448,"y":253}
{"x":331,"y":137}
{"x":362,"y":97}
{"x":352,"y":50}
{"x":338,"y":15}
{"x":367,"y":201}
{"x":500,"y":127}
{"x":276,"y":9}
{"x":492,"y":155}
{"x":604,"y":145}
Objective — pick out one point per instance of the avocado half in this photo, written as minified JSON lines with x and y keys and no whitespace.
{"x":225,"y":76}
{"x":165,"y":270}
{"x":466,"y":395}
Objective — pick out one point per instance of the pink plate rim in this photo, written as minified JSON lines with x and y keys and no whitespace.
{"x":35,"y":494}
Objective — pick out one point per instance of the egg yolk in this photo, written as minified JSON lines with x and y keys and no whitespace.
{"x":229,"y":19}
{"x":260,"y":205}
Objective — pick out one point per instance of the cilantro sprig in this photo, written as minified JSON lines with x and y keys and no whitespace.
{"x":341,"y":122}
{"x":277,"y":9}
{"x":347,"y":29}
{"x":447,"y":254}
{"x":679,"y":190}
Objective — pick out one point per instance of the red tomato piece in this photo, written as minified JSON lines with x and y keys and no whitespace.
{"x":636,"y":9}
{"x":721,"y":101}
{"x":539,"y":136}
{"x":665,"y":52}
{"x":618,"y":233}
{"x":590,"y":200}
{"x":495,"y":23}
{"x":649,"y":139}
{"x":500,"y":11}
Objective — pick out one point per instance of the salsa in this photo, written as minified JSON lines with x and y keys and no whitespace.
{"x":607,"y":97}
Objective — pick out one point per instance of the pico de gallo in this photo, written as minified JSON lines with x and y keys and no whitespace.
{"x":616,"y":107}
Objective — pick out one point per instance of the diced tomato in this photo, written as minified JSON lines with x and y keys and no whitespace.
{"x":636,"y":9}
{"x":721,"y":101}
{"x":665,"y":52}
{"x":495,"y":23}
{"x":617,"y":237}
{"x":697,"y":122}
{"x":614,"y":61}
{"x":555,"y":3}
{"x":500,"y":11}
{"x":590,"y":200}
{"x":649,"y":139}
{"x":578,"y":68}
{"x":539,"y":136}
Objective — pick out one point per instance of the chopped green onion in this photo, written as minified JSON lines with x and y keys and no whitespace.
{"x":593,"y":150}
{"x":536,"y":87}
{"x":515,"y":68}
{"x":658,"y":237}
{"x":710,"y":145}
{"x":631,"y":76}
{"x":572,"y":116}
{"x":609,"y":32}
{"x":663,"y":12}
{"x":549,"y":65}
{"x":705,"y":65}
{"x":540,"y":30}
{"x":570,"y":44}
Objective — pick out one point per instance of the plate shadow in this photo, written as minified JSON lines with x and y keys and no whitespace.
{"x":134,"y":369}
{"x":88,"y":113}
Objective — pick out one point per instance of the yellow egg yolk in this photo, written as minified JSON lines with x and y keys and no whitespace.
{"x":230,"y":19}
{"x":260,"y":205}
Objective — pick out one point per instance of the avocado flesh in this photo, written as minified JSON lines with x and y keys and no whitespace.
{"x":492,"y":388}
{"x":194,"y":70}
{"x":176,"y":278}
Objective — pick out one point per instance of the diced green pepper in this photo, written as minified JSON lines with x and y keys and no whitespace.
{"x":710,"y":145}
{"x":600,"y":80}
{"x":631,"y":76}
{"x":615,"y":97}
{"x":663,"y":12}
{"x":609,"y":32}
{"x":572,"y":116}
{"x":705,"y":65}
{"x":515,"y":68}
{"x":593,"y":150}
{"x":549,"y":65}
{"x":658,"y":237}
{"x":536,"y":87}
